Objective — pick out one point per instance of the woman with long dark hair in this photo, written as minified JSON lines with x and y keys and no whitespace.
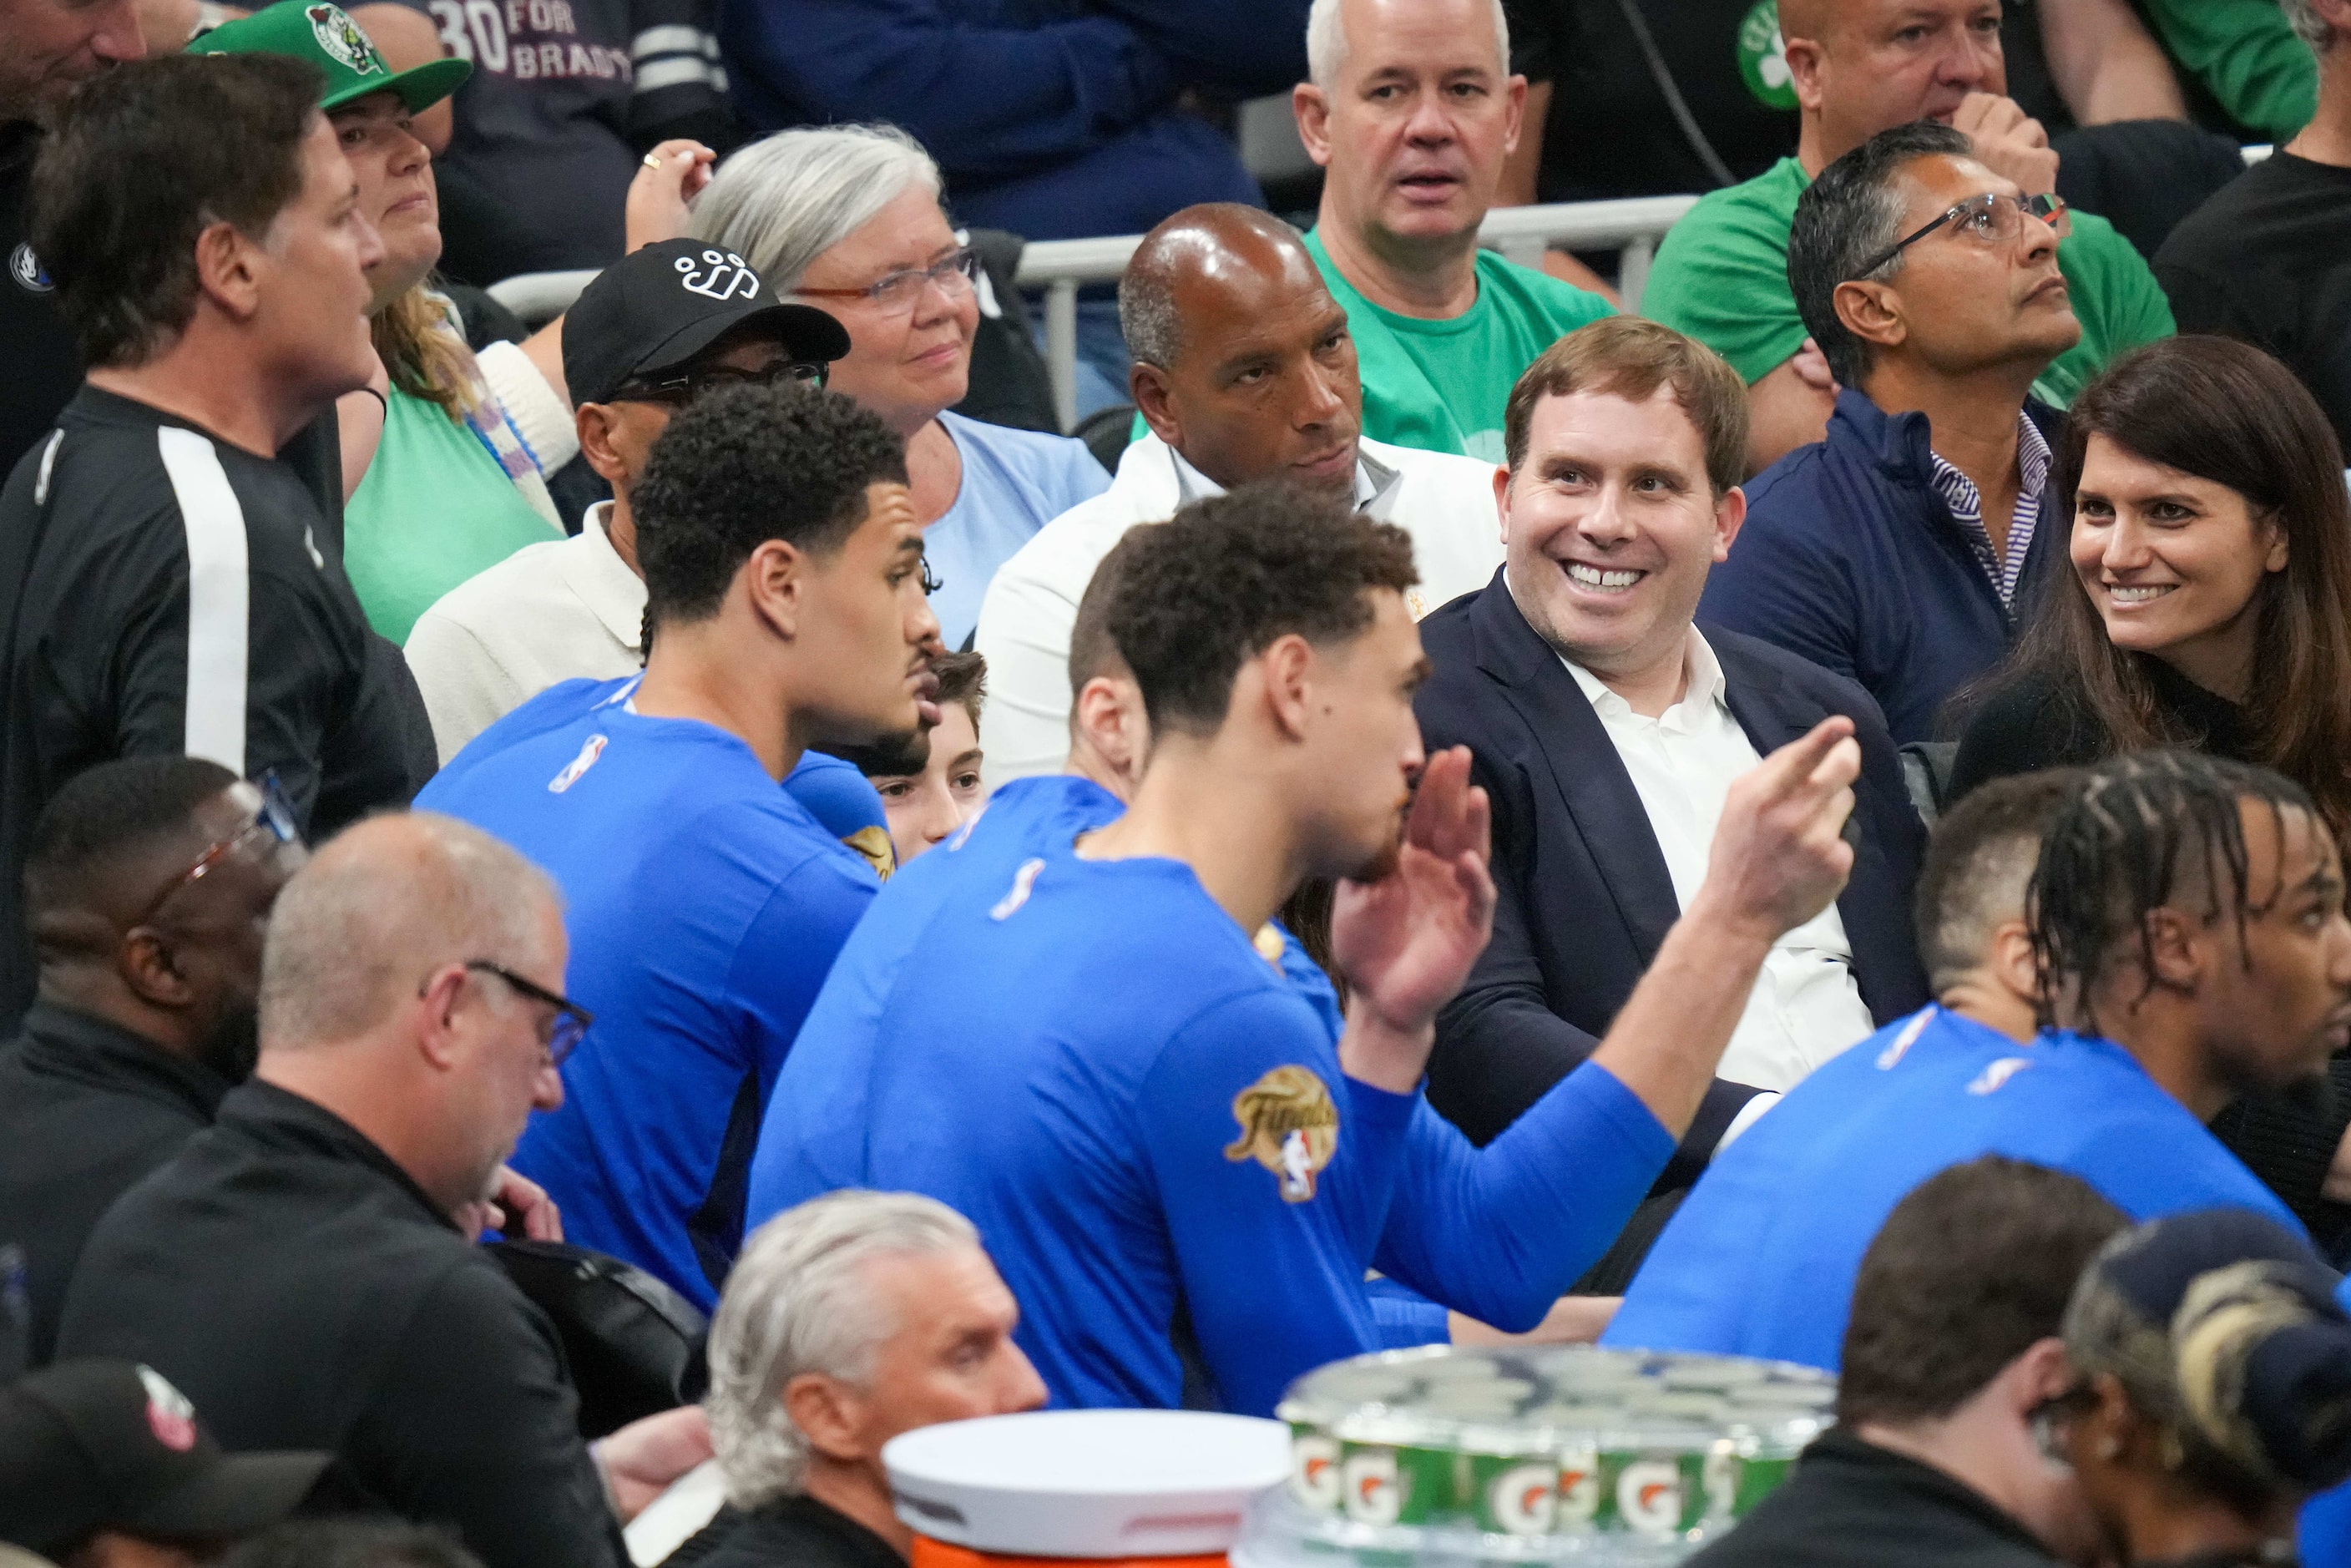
{"x":2209,"y":604}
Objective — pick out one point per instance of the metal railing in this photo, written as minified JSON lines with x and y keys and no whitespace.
{"x":1061,"y":266}
{"x":1633,"y":226}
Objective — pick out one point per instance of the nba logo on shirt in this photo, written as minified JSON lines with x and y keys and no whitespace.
{"x":1998,"y":1073}
{"x":577,"y":765}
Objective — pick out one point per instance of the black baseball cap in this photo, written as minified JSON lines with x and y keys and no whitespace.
{"x":87,"y":1446}
{"x":655,"y":308}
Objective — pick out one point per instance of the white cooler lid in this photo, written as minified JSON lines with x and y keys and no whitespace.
{"x":1087,"y":1483}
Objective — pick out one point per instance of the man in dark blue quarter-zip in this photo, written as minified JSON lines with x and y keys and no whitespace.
{"x":1903,"y":550}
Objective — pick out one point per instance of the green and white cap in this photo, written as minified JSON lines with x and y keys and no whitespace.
{"x":324,"y":35}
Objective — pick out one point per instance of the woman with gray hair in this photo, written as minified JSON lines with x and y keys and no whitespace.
{"x":848,"y":1320}
{"x":2214,"y":1392}
{"x":848,"y":218}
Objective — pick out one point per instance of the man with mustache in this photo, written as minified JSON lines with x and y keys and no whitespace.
{"x":1182,"y":1160}
{"x":1901,"y":551}
{"x":149,"y":880}
{"x":785,"y":591}
{"x":1860,"y":67}
{"x":1411,"y":109}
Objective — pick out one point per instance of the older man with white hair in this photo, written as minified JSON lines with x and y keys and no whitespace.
{"x":303,"y":1267}
{"x":1411,"y":109}
{"x":851,"y":1319}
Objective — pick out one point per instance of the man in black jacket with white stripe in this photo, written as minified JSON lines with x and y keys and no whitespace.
{"x":169,"y":585}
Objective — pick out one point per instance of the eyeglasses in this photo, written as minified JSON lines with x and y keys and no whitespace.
{"x":896,"y":293}
{"x":569,"y":1024}
{"x":274,"y":818}
{"x":932,"y":581}
{"x":687,"y":386}
{"x":1992,"y":218}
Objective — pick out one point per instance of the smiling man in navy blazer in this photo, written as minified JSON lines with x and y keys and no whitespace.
{"x":1606,"y":727}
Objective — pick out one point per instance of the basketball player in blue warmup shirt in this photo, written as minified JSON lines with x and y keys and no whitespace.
{"x":1179,"y":1169}
{"x":2235,"y":977}
{"x":784,"y":575}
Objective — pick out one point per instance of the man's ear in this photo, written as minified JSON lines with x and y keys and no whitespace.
{"x":2180,"y":947}
{"x":2009,"y":961}
{"x":776,"y":579}
{"x":437,"y":1039}
{"x":143,"y":961}
{"x":2041,"y":1372}
{"x":1148,"y":384}
{"x":1871,"y":312}
{"x":1313,"y":112}
{"x":594,"y":421}
{"x":1729,"y":516}
{"x":1514,"y":98}
{"x":227,"y":270}
{"x":1502,"y":477}
{"x":1808,"y":68}
{"x":1286,"y":670}
{"x":829,"y":1413}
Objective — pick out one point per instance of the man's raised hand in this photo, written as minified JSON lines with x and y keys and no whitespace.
{"x":1780,"y":856}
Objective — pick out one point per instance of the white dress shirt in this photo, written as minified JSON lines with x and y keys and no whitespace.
{"x":1806,"y":1006}
{"x":545,"y":613}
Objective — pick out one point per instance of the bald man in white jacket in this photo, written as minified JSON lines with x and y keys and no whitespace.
{"x":1244,"y":371}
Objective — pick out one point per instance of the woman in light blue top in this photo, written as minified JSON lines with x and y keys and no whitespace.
{"x":847,"y":217}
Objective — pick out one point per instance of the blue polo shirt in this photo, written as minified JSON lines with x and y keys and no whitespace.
{"x":1760,"y":1259}
{"x":1145,"y":1117}
{"x":704,"y":906}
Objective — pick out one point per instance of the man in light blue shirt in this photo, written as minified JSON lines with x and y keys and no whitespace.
{"x":2232,"y":976}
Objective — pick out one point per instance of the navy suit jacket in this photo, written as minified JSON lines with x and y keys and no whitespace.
{"x":1584,"y":895}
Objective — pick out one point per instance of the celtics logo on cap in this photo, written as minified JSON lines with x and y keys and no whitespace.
{"x":1289,"y":1127}
{"x":1763,"y":57}
{"x":340,"y":37}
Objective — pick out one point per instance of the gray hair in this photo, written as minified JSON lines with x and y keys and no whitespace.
{"x":380,"y":907}
{"x":786,"y":199}
{"x":1326,"y":41}
{"x":796,"y":1302}
{"x":2308,"y":25}
{"x":1851,"y":214}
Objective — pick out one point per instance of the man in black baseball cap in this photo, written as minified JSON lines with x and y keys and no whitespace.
{"x":653,"y":331}
{"x":92,"y":1452}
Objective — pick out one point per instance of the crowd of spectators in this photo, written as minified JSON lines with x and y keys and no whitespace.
{"x":675,"y":886}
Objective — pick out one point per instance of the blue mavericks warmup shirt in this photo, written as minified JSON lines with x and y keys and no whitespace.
{"x":704,"y":905}
{"x":813,"y":1140}
{"x":1762,"y":1258}
{"x":1145,"y":1116}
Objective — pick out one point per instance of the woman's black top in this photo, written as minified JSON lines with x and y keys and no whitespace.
{"x":2032,"y":724}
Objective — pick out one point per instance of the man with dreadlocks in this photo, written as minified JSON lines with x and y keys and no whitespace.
{"x":2187,"y":930}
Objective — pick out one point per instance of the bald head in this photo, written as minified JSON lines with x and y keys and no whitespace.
{"x":380,"y":908}
{"x":1242,"y":360}
{"x":1806,"y":18}
{"x":1196,"y":259}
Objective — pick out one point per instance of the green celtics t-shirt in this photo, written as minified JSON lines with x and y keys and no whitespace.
{"x":435,"y":509}
{"x":1440,"y":386}
{"x":1722,"y":277}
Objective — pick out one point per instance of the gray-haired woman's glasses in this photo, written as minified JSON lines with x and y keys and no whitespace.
{"x":896,"y":292}
{"x":1993,"y":218}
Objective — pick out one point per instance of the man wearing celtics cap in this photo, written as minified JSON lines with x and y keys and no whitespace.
{"x":1857,"y":68}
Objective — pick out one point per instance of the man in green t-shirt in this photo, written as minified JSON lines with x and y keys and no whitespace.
{"x":1860,"y":67}
{"x":1412,"y":112}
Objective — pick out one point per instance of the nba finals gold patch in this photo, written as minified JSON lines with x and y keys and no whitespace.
{"x":1289,"y":1127}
